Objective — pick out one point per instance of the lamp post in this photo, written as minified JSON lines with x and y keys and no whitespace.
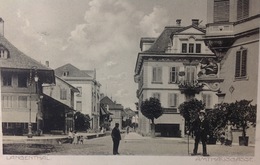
{"x":36,"y":78}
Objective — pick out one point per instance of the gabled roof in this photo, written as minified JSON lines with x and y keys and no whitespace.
{"x":112,"y":105}
{"x":73,"y":71}
{"x":161,"y":43}
{"x":106,"y":100}
{"x":74,"y":89}
{"x":191,"y":26}
{"x":17,"y":59}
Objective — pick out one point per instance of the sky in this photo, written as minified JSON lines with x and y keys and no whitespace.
{"x":94,"y":34}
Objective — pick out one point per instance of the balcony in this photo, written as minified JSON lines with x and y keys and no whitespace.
{"x":220,"y":29}
{"x":190,"y":87}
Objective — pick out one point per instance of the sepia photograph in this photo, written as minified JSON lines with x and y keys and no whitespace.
{"x":129,"y":81}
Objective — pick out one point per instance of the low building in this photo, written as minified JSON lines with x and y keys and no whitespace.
{"x":59,"y":106}
{"x":115,"y":109}
{"x":21,"y":90}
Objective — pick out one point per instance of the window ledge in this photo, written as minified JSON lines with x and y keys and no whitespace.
{"x":241,"y":78}
{"x":153,"y":82}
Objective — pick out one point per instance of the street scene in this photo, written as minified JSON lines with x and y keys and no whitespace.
{"x":129,"y":78}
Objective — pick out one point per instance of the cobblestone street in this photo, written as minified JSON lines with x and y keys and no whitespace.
{"x":134,"y":144}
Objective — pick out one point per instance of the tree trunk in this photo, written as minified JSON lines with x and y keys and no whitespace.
{"x":152,"y":129}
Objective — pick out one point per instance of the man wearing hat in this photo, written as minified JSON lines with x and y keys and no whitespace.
{"x":200,"y":127}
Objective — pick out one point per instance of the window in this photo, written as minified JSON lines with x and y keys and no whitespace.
{"x":191,"y":48}
{"x":157,"y":74}
{"x":7,"y":101}
{"x":221,"y":10}
{"x":22,"y":80}
{"x":206,"y":99}
{"x":184,"y":48}
{"x":80,"y":91}
{"x":190,"y":73}
{"x":174,"y":74}
{"x":241,"y":63}
{"x":79,"y":106}
{"x":157,"y":96}
{"x":22,"y":101}
{"x":173,"y":99}
{"x":242,"y":9}
{"x":198,"y":48}
{"x":7,"y":79}
{"x":66,"y":73}
{"x":63,"y":94}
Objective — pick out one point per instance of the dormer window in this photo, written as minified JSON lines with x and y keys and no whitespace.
{"x":4,"y":54}
{"x":66,"y":73}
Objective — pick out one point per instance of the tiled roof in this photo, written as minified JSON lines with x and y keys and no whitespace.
{"x":112,"y":105}
{"x":73,"y":71}
{"x":17,"y":59}
{"x":161,"y":43}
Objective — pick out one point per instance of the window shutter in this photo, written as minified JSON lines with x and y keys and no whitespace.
{"x":154,"y":74}
{"x":221,"y":10}
{"x":244,"y":61}
{"x":237,"y":70}
{"x":175,"y":100}
{"x":177,"y":74}
{"x":159,"y":74}
{"x":242,"y":9}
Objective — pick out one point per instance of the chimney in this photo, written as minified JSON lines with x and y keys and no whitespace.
{"x":2,"y":27}
{"x":47,"y":63}
{"x":178,"y":22}
{"x":195,"y":22}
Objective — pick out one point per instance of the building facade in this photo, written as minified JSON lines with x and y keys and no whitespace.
{"x":175,"y":68}
{"x":115,"y":109}
{"x":233,"y":35}
{"x":21,"y":90}
{"x":61,"y":95}
{"x":87,"y":101}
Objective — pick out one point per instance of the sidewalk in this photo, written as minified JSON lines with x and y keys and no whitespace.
{"x":46,"y":138}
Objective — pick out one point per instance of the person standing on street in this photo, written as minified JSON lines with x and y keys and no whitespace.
{"x":228,"y":134}
{"x":116,"y":137}
{"x":200,"y":128}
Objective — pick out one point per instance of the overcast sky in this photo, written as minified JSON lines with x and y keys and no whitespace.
{"x":100,"y":34}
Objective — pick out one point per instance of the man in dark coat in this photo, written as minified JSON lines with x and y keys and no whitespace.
{"x":200,"y":127}
{"x":116,"y":137}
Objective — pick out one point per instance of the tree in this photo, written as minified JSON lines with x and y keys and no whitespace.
{"x":151,"y":109}
{"x":81,"y":121}
{"x":242,"y":115}
{"x":189,"y":110}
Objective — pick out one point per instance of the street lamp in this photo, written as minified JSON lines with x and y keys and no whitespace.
{"x":36,"y":78}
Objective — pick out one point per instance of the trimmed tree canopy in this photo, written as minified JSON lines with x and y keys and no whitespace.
{"x":151,"y":108}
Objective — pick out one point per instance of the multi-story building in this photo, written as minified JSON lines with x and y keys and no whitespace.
{"x":87,"y":101}
{"x":21,"y":90}
{"x":232,"y":33}
{"x":174,"y":68}
{"x":115,"y":109}
{"x":59,"y":106}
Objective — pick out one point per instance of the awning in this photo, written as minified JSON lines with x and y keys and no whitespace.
{"x":53,"y":103}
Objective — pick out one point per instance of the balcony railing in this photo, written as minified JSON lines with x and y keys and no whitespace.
{"x":190,"y":87}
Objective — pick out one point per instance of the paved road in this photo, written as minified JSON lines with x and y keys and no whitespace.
{"x":134,"y":144}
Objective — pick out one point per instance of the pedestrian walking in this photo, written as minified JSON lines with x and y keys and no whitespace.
{"x":116,"y":137}
{"x":200,"y":127}
{"x":228,"y":134}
